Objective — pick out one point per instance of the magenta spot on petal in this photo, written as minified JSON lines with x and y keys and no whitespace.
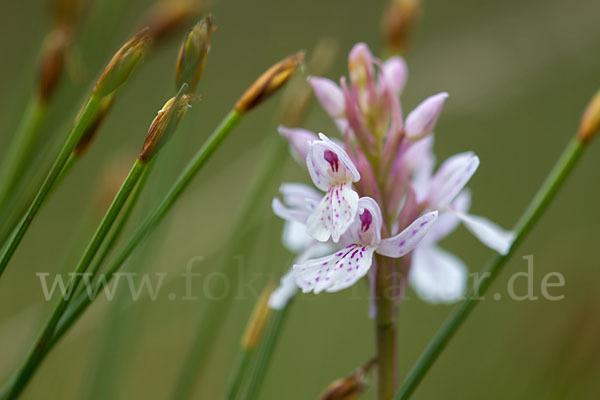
{"x":332,"y":159}
{"x":365,"y":220}
{"x":402,"y":243}
{"x":424,"y":223}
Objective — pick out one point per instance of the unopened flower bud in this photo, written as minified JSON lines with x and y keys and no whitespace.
{"x":165,"y":123}
{"x":421,"y":121}
{"x":350,"y":387}
{"x":258,"y":320}
{"x":122,"y":64}
{"x":397,"y":24}
{"x":167,"y":17}
{"x":193,"y":54}
{"x":590,"y":122}
{"x":329,"y":95}
{"x":269,"y":82}
{"x":52,"y":60}
{"x":94,"y":125}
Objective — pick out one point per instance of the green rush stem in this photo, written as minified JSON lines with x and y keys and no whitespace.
{"x":39,"y":350}
{"x":78,"y":129}
{"x":265,"y":352}
{"x":241,"y":365}
{"x":212,"y":317}
{"x":536,"y":208}
{"x":114,"y":236}
{"x":82,"y":302}
{"x":22,"y":150}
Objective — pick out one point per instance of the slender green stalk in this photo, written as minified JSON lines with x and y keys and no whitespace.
{"x":21,"y":151}
{"x":80,"y":126}
{"x":241,"y":365}
{"x":211,"y":320}
{"x":83,"y":300}
{"x":39,"y":350}
{"x":114,"y":236}
{"x":265,"y":352}
{"x":536,"y":208}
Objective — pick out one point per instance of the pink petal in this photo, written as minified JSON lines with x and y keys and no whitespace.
{"x":329,"y":95}
{"x":394,"y":74}
{"x":421,"y":121}
{"x":298,"y":139}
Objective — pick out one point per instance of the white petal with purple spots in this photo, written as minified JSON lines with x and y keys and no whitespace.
{"x":404,"y":242}
{"x":334,"y":214}
{"x":335,"y":272}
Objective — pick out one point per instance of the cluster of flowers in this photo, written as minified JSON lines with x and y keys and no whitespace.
{"x":381,"y":193}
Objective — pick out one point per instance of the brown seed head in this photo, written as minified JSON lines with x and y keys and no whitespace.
{"x":168,"y":17}
{"x":52,"y":61}
{"x":269,"y":82}
{"x":350,"y":387}
{"x":258,"y":319}
{"x":398,"y":23}
{"x":193,"y":53}
{"x":165,"y":123}
{"x":94,"y":126}
{"x":123,"y":63}
{"x":590,"y":122}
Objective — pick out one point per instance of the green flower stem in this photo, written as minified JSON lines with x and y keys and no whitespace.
{"x":211,"y":318}
{"x":536,"y":208}
{"x":76,"y":133}
{"x":265,"y":352}
{"x":82,"y":301}
{"x":386,"y":328}
{"x":21,"y":151}
{"x":241,"y":365}
{"x":38,"y":351}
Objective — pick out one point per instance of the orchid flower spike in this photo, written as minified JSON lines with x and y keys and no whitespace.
{"x":345,"y":267}
{"x":332,"y":171}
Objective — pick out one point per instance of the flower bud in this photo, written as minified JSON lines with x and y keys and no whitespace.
{"x":94,"y":125}
{"x":350,"y":387}
{"x":421,"y":121}
{"x":193,"y":54}
{"x":269,"y":82}
{"x":329,"y":95}
{"x":122,"y":64}
{"x":167,"y":17}
{"x":298,"y":139}
{"x":397,"y":24}
{"x":52,"y":60}
{"x":258,"y":320}
{"x":590,"y":122}
{"x":165,"y":123}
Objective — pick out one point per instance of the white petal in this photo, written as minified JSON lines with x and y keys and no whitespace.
{"x":451,"y":178}
{"x":294,"y":236}
{"x":329,"y":165}
{"x":300,"y":201}
{"x":334,"y":272}
{"x":437,"y":276}
{"x":404,"y":242}
{"x":334,"y":214}
{"x":487,"y":232}
{"x":448,"y":221}
{"x":366,"y":227}
{"x":286,"y":290}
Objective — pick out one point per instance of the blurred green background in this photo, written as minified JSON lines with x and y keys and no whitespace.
{"x":519,"y":74}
